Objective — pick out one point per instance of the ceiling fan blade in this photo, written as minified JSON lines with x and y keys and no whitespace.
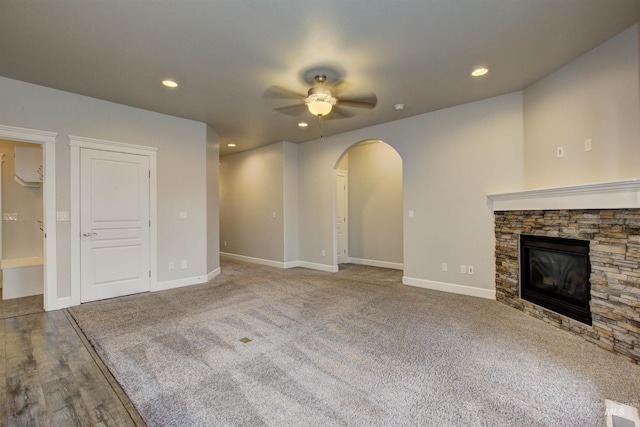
{"x":342,"y":86}
{"x":283,"y":92}
{"x":367,"y":101}
{"x":338,"y":112}
{"x":293,"y":110}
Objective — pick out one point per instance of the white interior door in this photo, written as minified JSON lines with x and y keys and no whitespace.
{"x":341,"y":217}
{"x":114,"y":224}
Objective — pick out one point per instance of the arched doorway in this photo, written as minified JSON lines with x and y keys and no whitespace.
{"x":369,"y":206}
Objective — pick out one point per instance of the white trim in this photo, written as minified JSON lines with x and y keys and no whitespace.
{"x":1,"y":162}
{"x":253,"y":260}
{"x":60,"y":303}
{"x":279,"y":264}
{"x":450,"y":287}
{"x":291,"y":264}
{"x":376,"y":263}
{"x":49,"y":223}
{"x":345,"y":238}
{"x":76,"y":143}
{"x":321,"y":267}
{"x":623,"y":194}
{"x":74,"y":223}
{"x":119,"y":147}
{"x":213,"y":274}
{"x":15,"y":133}
{"x":178,"y":283}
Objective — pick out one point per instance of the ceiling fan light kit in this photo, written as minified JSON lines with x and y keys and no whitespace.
{"x":320,"y":99}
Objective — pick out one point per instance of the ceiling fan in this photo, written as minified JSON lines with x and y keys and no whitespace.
{"x":321,"y":100}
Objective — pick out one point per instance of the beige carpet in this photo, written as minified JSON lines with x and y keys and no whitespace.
{"x":354,"y":348}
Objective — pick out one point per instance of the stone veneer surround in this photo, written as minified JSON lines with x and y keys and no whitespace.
{"x":613,"y":231}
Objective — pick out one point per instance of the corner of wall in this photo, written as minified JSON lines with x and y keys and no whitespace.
{"x":290,"y":201}
{"x":213,"y":200}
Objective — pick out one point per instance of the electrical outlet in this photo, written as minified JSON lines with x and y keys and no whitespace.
{"x":171,"y":265}
{"x":469,"y":269}
{"x":324,"y":253}
{"x":587,"y":144}
{"x":445,"y":267}
{"x":463,"y":269}
{"x":183,"y":264}
{"x":225,"y":243}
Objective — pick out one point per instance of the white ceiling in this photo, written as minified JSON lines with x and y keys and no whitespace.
{"x":226,"y":54}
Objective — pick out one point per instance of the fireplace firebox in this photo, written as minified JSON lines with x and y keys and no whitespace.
{"x":554,"y":273}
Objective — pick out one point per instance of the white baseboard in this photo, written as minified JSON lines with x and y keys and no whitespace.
{"x":321,"y":267}
{"x":450,"y":287}
{"x":376,"y":263}
{"x":291,"y":264}
{"x":280,"y":264}
{"x":58,"y":304}
{"x":178,"y":283}
{"x":253,"y":260}
{"x":213,"y":274}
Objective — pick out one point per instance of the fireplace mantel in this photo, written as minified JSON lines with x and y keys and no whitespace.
{"x":623,"y":194}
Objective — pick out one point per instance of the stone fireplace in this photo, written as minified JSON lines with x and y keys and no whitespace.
{"x":607,"y":217}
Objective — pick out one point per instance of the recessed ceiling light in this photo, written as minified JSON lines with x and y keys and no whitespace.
{"x":231,"y":145}
{"x":303,"y":124}
{"x":169,"y":83}
{"x":479,"y":72}
{"x":399,"y":107}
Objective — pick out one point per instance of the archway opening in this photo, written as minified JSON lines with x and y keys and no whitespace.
{"x":369,"y":206}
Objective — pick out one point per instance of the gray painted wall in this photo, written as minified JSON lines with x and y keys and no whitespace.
{"x":290,"y":198}
{"x":595,"y":97}
{"x":181,"y":165}
{"x":451,"y":159}
{"x":251,"y":193}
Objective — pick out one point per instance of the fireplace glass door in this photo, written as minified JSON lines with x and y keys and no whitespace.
{"x":554,"y":273}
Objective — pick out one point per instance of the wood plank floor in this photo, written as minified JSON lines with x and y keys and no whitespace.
{"x":52,"y":376}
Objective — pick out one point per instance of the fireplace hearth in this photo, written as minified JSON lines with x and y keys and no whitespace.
{"x":554,"y":273}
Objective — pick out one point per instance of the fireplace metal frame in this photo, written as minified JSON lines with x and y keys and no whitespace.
{"x":581,"y":313}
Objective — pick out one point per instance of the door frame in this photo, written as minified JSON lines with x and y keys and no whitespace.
{"x":49,"y":223}
{"x":345,"y":238}
{"x":76,"y":143}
